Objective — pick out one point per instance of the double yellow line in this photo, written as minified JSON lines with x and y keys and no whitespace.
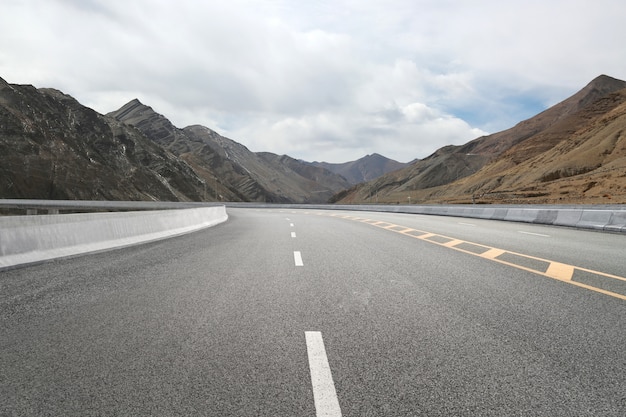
{"x":547,"y":268}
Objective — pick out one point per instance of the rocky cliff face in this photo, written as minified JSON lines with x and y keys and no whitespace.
{"x":52,"y":147}
{"x":237,"y":173}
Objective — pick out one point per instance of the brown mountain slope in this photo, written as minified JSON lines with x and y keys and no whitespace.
{"x":235,"y":173}
{"x":432,"y":179}
{"x":581,"y":159}
{"x":52,"y":147}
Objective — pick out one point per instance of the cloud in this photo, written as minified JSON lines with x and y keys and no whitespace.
{"x":329,"y":80}
{"x":403,"y":133}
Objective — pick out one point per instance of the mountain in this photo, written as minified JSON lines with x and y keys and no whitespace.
{"x":557,"y":156}
{"x":364,"y":169}
{"x":238,"y":173}
{"x":53,"y":147}
{"x":580,"y":159}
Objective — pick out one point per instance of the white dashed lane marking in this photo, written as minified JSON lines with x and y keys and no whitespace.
{"x":324,"y":394}
{"x":297,"y":258}
{"x":533,"y":234}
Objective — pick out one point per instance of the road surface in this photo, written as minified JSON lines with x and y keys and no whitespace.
{"x":324,"y":313}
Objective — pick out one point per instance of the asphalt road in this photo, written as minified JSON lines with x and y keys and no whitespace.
{"x":303,"y":313}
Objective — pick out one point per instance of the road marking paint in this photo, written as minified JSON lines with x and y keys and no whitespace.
{"x":492,"y":253}
{"x":424,"y":236}
{"x":297,"y":258}
{"x":560,"y":271}
{"x":453,"y":243}
{"x":291,"y":224}
{"x":533,"y":234}
{"x":555,"y":270}
{"x":293,"y":234}
{"x":287,"y":218}
{"x":467,"y":224}
{"x":324,"y":393}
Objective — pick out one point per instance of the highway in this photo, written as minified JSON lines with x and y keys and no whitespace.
{"x":282,"y":312}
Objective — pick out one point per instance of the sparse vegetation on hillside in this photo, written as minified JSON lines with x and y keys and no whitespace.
{"x":572,"y":153}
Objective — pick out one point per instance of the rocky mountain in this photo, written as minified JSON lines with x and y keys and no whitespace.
{"x":55,"y":148}
{"x":52,"y":147}
{"x":236,"y":173}
{"x":364,"y":169}
{"x":568,"y":153}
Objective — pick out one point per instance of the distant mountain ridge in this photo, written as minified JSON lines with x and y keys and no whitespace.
{"x":364,"y":169}
{"x":498,"y":167}
{"x":52,"y":147}
{"x":240,"y":175}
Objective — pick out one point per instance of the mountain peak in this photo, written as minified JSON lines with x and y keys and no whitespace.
{"x":600,"y":86}
{"x":603,"y":78}
{"x":133,"y":110}
{"x":366,"y":168}
{"x":135,"y":102}
{"x":567,"y":153}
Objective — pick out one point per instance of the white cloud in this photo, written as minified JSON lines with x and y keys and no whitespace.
{"x":329,"y":80}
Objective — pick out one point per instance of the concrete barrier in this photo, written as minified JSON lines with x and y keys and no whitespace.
{"x":33,"y":239}
{"x":610,"y":218}
{"x":594,"y":219}
{"x":617,"y":222}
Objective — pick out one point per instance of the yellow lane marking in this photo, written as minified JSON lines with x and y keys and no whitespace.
{"x":555,"y":270}
{"x":560,"y":271}
{"x":596,"y":289}
{"x":492,"y":253}
{"x":424,"y":236}
{"x":603,"y":274}
{"x":453,"y":243}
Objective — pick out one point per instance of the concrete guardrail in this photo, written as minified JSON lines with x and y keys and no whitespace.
{"x":34,"y":239}
{"x":609,"y":218}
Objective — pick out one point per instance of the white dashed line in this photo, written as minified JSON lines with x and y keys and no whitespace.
{"x":324,"y":394}
{"x":291,"y":224}
{"x":534,"y":234}
{"x":467,"y":224}
{"x":297,"y":258}
{"x":293,"y":234}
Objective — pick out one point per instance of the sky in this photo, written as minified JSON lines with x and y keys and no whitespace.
{"x":319,"y":80}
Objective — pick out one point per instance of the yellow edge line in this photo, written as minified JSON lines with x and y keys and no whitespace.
{"x":556,"y":270}
{"x":452,"y":243}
